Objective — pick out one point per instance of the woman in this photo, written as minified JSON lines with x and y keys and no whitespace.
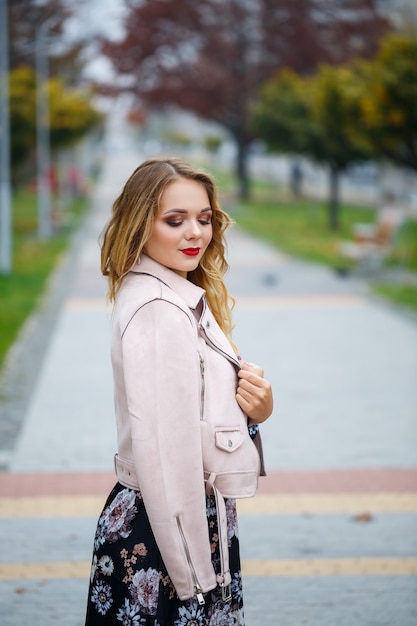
{"x":158,"y":551}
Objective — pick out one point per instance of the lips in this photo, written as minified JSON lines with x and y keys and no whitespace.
{"x":191,"y":251}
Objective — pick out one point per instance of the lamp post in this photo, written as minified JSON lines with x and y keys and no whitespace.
{"x":5,"y":194}
{"x":42,"y":135}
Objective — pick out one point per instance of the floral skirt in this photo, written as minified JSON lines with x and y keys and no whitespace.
{"x":129,"y":583}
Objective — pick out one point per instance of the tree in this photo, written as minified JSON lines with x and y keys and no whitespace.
{"x":388,"y":111}
{"x":211,"y":56}
{"x":334,"y":111}
{"x":282,"y":114}
{"x":22,"y":114}
{"x":303,"y":34}
{"x":316,"y":117}
{"x":71,"y":113}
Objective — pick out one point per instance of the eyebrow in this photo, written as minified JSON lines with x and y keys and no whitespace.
{"x":184,"y":211}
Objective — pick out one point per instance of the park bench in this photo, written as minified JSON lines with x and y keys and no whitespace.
{"x":372,"y":243}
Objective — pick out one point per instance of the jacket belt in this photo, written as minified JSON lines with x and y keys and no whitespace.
{"x":126,"y":475}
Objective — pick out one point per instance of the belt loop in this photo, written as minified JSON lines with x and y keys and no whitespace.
{"x":210,"y":484}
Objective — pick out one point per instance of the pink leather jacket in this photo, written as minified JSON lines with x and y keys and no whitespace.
{"x":162,"y":332}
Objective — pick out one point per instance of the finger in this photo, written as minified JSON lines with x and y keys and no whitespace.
{"x":251,"y":389}
{"x":244,"y":404}
{"x":245,"y":394}
{"x":252,"y":367}
{"x":260,"y":392}
{"x":256,"y":402}
{"x":252,"y":408}
{"x":258,"y":386}
{"x":252,"y":394}
{"x":256,"y":380}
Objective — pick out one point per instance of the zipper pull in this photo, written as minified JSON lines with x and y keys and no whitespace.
{"x":199,"y":595}
{"x":202,"y":385}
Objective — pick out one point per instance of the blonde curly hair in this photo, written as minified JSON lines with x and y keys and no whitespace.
{"x":131,"y":223}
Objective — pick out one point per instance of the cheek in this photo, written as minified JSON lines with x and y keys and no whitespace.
{"x":164,"y":236}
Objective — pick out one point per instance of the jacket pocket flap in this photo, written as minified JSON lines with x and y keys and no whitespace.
{"x":228,"y":438}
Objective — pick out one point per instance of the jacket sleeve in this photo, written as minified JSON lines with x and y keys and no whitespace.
{"x":162,"y":381}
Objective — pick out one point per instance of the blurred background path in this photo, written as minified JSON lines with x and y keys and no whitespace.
{"x":331,"y":538}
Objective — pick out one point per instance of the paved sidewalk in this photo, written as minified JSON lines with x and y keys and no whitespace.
{"x":332,"y":536}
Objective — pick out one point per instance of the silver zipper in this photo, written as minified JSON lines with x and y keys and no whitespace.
{"x":217,"y":349}
{"x":213,"y":345}
{"x":197,"y":587}
{"x":203,"y":385}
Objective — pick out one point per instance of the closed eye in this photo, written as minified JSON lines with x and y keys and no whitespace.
{"x":205,"y":221}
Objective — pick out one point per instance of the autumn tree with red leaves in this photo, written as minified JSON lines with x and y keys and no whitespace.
{"x":210,"y":57}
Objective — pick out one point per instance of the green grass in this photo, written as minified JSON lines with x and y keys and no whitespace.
{"x":300,"y":228}
{"x":33,"y":261}
{"x":405,"y":295}
{"x":404,"y":253}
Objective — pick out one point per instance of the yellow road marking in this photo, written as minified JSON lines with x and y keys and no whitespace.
{"x":331,"y":567}
{"x":277,"y":504}
{"x":299,"y":504}
{"x":291,"y":302}
{"x":18,"y":571}
{"x":51,"y":506}
{"x":87,"y":304}
{"x":263,"y":567}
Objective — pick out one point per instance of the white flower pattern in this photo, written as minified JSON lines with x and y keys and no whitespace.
{"x":191,"y":614}
{"x":119,"y":515}
{"x":231,"y":515}
{"x":102,"y":597}
{"x":144,"y":590}
{"x":129,"y":615}
{"x":106,"y":565}
{"x":125,"y":552}
{"x":93,"y":567}
{"x":222,"y":615}
{"x":236,"y":586}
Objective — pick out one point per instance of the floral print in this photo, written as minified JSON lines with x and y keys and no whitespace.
{"x":231,"y":515}
{"x":106,"y":565}
{"x":191,"y":614}
{"x":118,"y":516}
{"x":144,"y":590}
{"x":222,"y":615}
{"x":115,"y":521}
{"x":236,"y":587}
{"x":102,"y":597}
{"x":129,"y":614}
{"x":129,"y":584}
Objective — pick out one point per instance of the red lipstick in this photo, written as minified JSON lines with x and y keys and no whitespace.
{"x":191,"y":251}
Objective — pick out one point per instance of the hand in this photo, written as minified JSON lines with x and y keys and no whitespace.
{"x":254,"y":393}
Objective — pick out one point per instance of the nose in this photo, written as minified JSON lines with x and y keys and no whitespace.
{"x":194,"y":230}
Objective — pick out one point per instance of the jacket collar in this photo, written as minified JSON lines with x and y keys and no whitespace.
{"x":190,"y":293}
